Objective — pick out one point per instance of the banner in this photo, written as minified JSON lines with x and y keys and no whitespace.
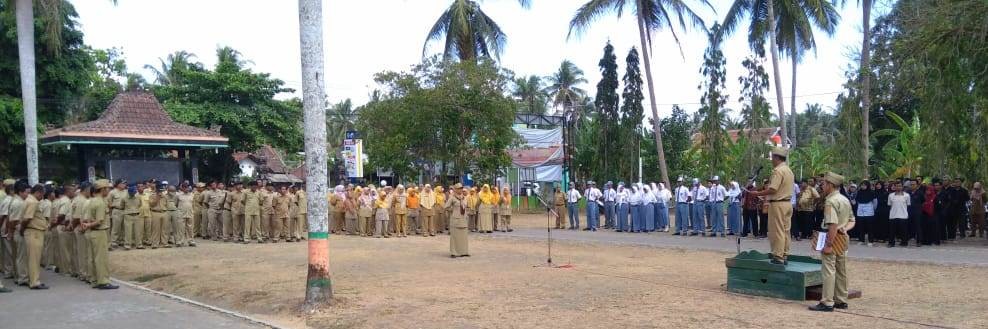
{"x":353,"y":157}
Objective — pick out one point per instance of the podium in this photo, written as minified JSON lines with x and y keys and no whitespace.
{"x":752,"y":273}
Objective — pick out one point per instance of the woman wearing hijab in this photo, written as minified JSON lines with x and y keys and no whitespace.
{"x":440,"y":210}
{"x":648,"y":208}
{"x":867,"y":201}
{"x":400,"y":208}
{"x":504,"y":211}
{"x":485,"y":222}
{"x":365,"y":210}
{"x":622,"y":209}
{"x":473,"y":201}
{"x":350,"y":213}
{"x":734,"y":209}
{"x":457,"y":223}
{"x":382,"y":204}
{"x":662,"y":207}
{"x":881,"y":227}
{"x":635,"y":205}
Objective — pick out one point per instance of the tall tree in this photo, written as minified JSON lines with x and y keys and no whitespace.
{"x":755,"y":109}
{"x":341,"y":117}
{"x":318,"y":283}
{"x":651,"y":15}
{"x":864,"y":73}
{"x":606,"y":103}
{"x":530,"y":94}
{"x":713,"y":101}
{"x":633,"y":115}
{"x":468,"y":32}
{"x":564,"y":86}
{"x":169,"y":67}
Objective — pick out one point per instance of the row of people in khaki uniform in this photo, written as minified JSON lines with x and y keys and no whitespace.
{"x":385,"y":211}
{"x":65,"y":228}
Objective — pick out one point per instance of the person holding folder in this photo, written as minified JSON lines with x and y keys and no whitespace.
{"x":837,"y":221}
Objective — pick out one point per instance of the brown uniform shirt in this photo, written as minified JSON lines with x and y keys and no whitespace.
{"x":782,"y":182}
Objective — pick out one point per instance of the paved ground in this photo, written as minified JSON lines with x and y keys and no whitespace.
{"x":71,"y":304}
{"x":966,"y":253}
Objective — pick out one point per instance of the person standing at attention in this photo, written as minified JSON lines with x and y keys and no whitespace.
{"x":572,"y":200}
{"x":610,"y":196}
{"x":717,"y":195}
{"x":559,"y":201}
{"x":837,"y":220}
{"x":779,"y":192}
{"x":898,"y":202}
{"x":593,"y":205}
{"x":458,"y":246}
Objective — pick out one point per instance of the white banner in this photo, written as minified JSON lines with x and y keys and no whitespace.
{"x":353,"y":152}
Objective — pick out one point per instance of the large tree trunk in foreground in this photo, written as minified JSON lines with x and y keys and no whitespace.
{"x":656,"y":125}
{"x":865,"y":72}
{"x":25,"y":50}
{"x":318,"y":284}
{"x":792,"y":101}
{"x":775,"y":69}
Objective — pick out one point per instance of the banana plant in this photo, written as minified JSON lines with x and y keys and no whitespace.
{"x":902,"y":155}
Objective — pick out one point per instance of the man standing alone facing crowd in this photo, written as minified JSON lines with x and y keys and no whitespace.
{"x":779,"y":191}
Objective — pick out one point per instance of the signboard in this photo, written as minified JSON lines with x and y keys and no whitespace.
{"x":353,"y":157}
{"x":352,"y":134}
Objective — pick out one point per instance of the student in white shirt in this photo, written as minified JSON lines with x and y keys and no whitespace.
{"x":648,"y":208}
{"x":572,"y":200}
{"x":716,"y":202}
{"x":700,"y":195}
{"x":609,"y":198}
{"x":662,"y":207}
{"x":734,"y":209}
{"x":634,"y":204}
{"x":898,"y":202}
{"x":621,"y":201}
{"x":593,"y":204}
{"x":683,"y":200}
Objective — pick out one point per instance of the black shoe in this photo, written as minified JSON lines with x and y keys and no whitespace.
{"x":677,"y":233}
{"x":4,"y":290}
{"x":22,"y":284}
{"x":106,"y":287}
{"x":842,"y":306}
{"x":39,"y":287}
{"x":821,"y":308}
{"x":780,"y":262}
{"x":452,"y":256}
{"x":891,"y":245}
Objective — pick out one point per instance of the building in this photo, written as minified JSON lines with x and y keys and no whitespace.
{"x":267,"y":164}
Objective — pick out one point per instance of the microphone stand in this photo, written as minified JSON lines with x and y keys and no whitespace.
{"x":549,"y":212}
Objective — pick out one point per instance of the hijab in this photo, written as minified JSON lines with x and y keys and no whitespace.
{"x":865,"y":193}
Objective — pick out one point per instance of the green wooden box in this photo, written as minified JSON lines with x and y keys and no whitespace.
{"x":751,"y":273}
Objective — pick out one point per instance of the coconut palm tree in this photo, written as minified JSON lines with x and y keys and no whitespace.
{"x":563,"y":86}
{"x":651,"y":15}
{"x":864,"y":69}
{"x":24,"y":17}
{"x":468,"y":32}
{"x":795,"y":21}
{"x":341,"y":118}
{"x":318,"y":283}
{"x":167,"y":72}
{"x":530,"y":94}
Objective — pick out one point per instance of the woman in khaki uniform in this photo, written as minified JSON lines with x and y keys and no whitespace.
{"x":458,"y":226}
{"x":400,"y":207}
{"x":427,"y":214}
{"x":504,"y":211}
{"x":350,"y":213}
{"x":472,"y":202}
{"x":281,"y":204}
{"x":440,"y":211}
{"x":487,"y":202}
{"x":365,"y":210}
{"x":381,"y":205}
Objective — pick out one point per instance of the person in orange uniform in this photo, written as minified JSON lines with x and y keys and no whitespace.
{"x":412,"y":202}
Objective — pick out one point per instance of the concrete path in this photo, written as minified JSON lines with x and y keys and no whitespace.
{"x":966,"y":253}
{"x":72,"y":304}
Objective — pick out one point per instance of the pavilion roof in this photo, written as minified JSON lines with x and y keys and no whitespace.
{"x":135,"y":118}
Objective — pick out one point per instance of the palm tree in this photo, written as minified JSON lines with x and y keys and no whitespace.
{"x":795,"y":21}
{"x":167,"y":72}
{"x":563,"y":86}
{"x":652,"y":15}
{"x":530,"y":94}
{"x":319,"y":284}
{"x":864,"y":70}
{"x":341,"y":118}
{"x":468,"y":31}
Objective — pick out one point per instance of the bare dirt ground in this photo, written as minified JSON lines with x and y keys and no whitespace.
{"x":412,"y":283}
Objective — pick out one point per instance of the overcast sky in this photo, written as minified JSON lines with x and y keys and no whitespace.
{"x":368,"y":36}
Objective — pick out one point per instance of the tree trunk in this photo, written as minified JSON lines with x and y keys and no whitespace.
{"x":775,"y":69}
{"x":792,"y":99}
{"x":318,"y":285}
{"x":25,"y":50}
{"x":656,"y":125}
{"x":865,"y":72}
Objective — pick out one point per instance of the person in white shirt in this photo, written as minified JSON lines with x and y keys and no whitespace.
{"x":734,"y":209}
{"x":593,"y":204}
{"x":898,"y":215}
{"x":648,"y":208}
{"x":635,"y":204}
{"x":716,"y":204}
{"x":609,"y":211}
{"x":683,"y":201}
{"x":661,"y":207}
{"x":621,"y":201}
{"x":572,"y":200}
{"x":700,"y":195}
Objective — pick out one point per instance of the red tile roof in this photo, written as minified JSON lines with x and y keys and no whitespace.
{"x":134,"y":116}
{"x":536,"y":156}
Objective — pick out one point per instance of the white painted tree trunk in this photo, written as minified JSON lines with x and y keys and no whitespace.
{"x":775,"y":69}
{"x":656,"y":126}
{"x":318,"y":287}
{"x":25,"y":49}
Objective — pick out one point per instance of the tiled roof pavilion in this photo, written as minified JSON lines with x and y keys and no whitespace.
{"x":135,"y":118}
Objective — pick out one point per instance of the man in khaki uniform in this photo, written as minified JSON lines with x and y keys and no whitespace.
{"x":252,"y":214}
{"x":186,"y":212}
{"x":83,"y":262}
{"x":215,"y":201}
{"x":145,"y":193}
{"x":559,"y":201}
{"x":94,"y":224}
{"x":115,"y":201}
{"x":7,"y":195}
{"x":302,"y":221}
{"x":778,"y":194}
{"x":133,"y":232}
{"x":17,"y":214}
{"x":267,"y":211}
{"x":66,"y":240}
{"x":237,"y":211}
{"x":173,"y":219}
{"x":281,"y":205}
{"x":289,"y":229}
{"x":198,"y":211}
{"x":32,"y":227}
{"x":226,"y":217}
{"x":837,"y":220}
{"x":400,"y":209}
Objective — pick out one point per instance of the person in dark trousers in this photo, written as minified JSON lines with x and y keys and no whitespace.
{"x":763,"y":215}
{"x":867,"y":201}
{"x":955,"y":215}
{"x":941,"y":211}
{"x":898,"y":202}
{"x":750,"y":205}
{"x":882,"y":226}
{"x":917,"y":195}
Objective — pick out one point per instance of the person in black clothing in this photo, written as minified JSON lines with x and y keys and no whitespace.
{"x":867,"y":204}
{"x":750,"y":206}
{"x":917,"y":194}
{"x":953,"y":219}
{"x":941,"y":208}
{"x":763,"y":216}
{"x":881,"y":226}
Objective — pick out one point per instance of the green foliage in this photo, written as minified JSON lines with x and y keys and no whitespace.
{"x":453,"y":112}
{"x":676,"y":142}
{"x":340,"y":118}
{"x":468,"y":32}
{"x":901,"y":154}
{"x":531,"y":95}
{"x":632,"y":113}
{"x":563,"y":86}
{"x":712,"y":112}
{"x":234,"y":99}
{"x":756,"y":112}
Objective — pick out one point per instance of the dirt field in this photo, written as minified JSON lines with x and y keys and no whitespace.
{"x":412,"y":283}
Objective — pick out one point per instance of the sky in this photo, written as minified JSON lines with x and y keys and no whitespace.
{"x":363,"y":37}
